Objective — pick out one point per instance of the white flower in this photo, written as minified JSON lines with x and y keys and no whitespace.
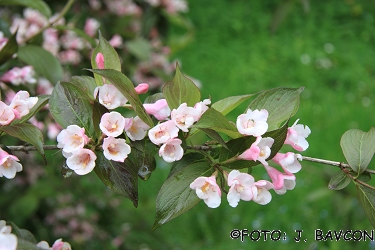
{"x":72,"y":138}
{"x":297,"y":135}
{"x":22,"y":103}
{"x":115,"y":149}
{"x":9,"y":165}
{"x":159,"y":109}
{"x":184,"y":116}
{"x":112,"y":124}
{"x":263,"y":196}
{"x":241,"y":187}
{"x":202,"y":107}
{"x":260,"y":150}
{"x":289,"y":161}
{"x":6,"y":114}
{"x":136,"y":129}
{"x":8,"y":241}
{"x":109,"y":96}
{"x":207,"y":189}
{"x":171,"y":151}
{"x":253,"y":122}
{"x":81,"y":161}
{"x":162,"y":132}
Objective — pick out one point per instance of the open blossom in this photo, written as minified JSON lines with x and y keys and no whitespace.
{"x":260,"y":150}
{"x":115,"y":149}
{"x":281,"y":181}
{"x":207,"y":189}
{"x":162,"y":132}
{"x":9,"y":165}
{"x":263,"y":196}
{"x":6,"y":114}
{"x":57,"y":245}
{"x":22,"y":103}
{"x":159,"y":109}
{"x":82,"y":161}
{"x":91,"y":26}
{"x":8,"y":241}
{"x":184,"y":116}
{"x":136,"y":129}
{"x":18,"y":76}
{"x":253,"y":122}
{"x":241,"y":187}
{"x":110,"y":97}
{"x":202,"y":106}
{"x":289,"y":161}
{"x":72,"y":138}
{"x":171,"y":151}
{"x":112,"y":124}
{"x":297,"y":135}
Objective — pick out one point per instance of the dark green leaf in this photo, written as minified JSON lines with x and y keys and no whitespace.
{"x":42,"y":101}
{"x":69,"y":107}
{"x":175,"y":196}
{"x":86,"y":84}
{"x":339,"y":181}
{"x":126,"y":87}
{"x":98,"y":111}
{"x":281,"y":104}
{"x":111,"y":59}
{"x":358,"y":148}
{"x":181,"y":90}
{"x":213,"y":119}
{"x":39,"y":5}
{"x":121,"y":178}
{"x":26,"y":245}
{"x":27,"y":133}
{"x":367,"y":198}
{"x":9,"y":49}
{"x":43,"y":62}
{"x":365,"y":177}
{"x":143,"y":157}
{"x":226,"y":105}
{"x":22,"y":233}
{"x":186,"y":160}
{"x":214,"y":136}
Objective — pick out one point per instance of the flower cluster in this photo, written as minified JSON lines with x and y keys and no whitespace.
{"x":242,"y":186}
{"x":57,"y":245}
{"x":166,"y":133}
{"x":18,"y":76}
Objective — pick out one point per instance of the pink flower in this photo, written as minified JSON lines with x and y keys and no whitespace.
{"x":91,"y":26}
{"x":115,"y":149}
{"x":72,"y":138}
{"x":112,"y":124}
{"x":253,"y":122}
{"x":53,"y":130}
{"x":18,"y":76}
{"x":82,"y":161}
{"x":159,"y":109}
{"x":263,"y":196}
{"x":297,"y":135}
{"x":260,"y":150}
{"x":136,"y":129}
{"x":207,"y":189}
{"x":141,"y":88}
{"x":281,"y":181}
{"x":99,"y":59}
{"x":202,"y":107}
{"x":184,"y":116}
{"x":110,"y":97}
{"x":22,"y":103}
{"x":9,"y":165}
{"x":8,"y":241}
{"x":171,"y":150}
{"x":241,"y":187}
{"x":289,"y":161}
{"x":61,"y":245}
{"x":116,"y":41}
{"x":70,"y":56}
{"x":162,"y":132}
{"x":6,"y":114}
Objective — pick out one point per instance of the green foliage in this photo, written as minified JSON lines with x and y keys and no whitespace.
{"x":143,"y":157}
{"x":9,"y":49}
{"x":39,"y":5}
{"x":367,"y":198}
{"x":226,"y":105}
{"x":339,"y":181}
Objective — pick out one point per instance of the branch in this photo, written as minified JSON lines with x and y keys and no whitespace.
{"x":27,"y":149}
{"x":327,"y":162}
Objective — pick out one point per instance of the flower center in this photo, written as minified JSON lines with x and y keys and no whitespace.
{"x":249,"y":124}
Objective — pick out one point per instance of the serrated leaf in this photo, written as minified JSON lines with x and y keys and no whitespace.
{"x":87,"y":84}
{"x":181,"y":90}
{"x":175,"y":196}
{"x":126,"y":87}
{"x":140,"y":48}
{"x":44,"y":62}
{"x":213,"y":119}
{"x":10,"y":48}
{"x":39,"y":5}
{"x":120,"y":177}
{"x":27,"y":133}
{"x":42,"y":101}
{"x":226,"y":105}
{"x":367,"y":198}
{"x":143,"y":157}
{"x":214,"y":136}
{"x":281,"y":104}
{"x":111,"y":58}
{"x":339,"y":181}
{"x":358,"y":148}
{"x":239,"y":145}
{"x":69,"y":107}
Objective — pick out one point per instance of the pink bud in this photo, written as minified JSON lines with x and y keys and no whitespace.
{"x":99,"y":59}
{"x":141,"y":88}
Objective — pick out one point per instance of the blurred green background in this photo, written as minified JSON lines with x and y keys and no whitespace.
{"x":240,"y":47}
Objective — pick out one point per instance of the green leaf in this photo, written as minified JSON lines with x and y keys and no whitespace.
{"x":26,"y":245}
{"x":10,"y":48}
{"x":153,"y":98}
{"x":27,"y":133}
{"x":44,"y":62}
{"x":143,"y":157}
{"x":181,"y":90}
{"x":39,"y":5}
{"x":69,"y":107}
{"x":42,"y":101}
{"x":175,"y":196}
{"x":365,"y":177}
{"x":120,"y":177}
{"x":281,"y":104}
{"x":22,"y":233}
{"x":226,"y":105}
{"x":79,"y":32}
{"x":111,"y":58}
{"x":140,"y":48}
{"x":126,"y":87}
{"x":213,"y":119}
{"x":98,"y":111}
{"x":358,"y":148}
{"x":86,"y":84}
{"x":186,"y":160}
{"x":214,"y":136}
{"x":367,"y":198}
{"x":239,"y":145}
{"x":339,"y":181}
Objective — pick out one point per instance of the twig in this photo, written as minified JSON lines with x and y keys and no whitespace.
{"x":327,"y":162}
{"x":27,"y":149}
